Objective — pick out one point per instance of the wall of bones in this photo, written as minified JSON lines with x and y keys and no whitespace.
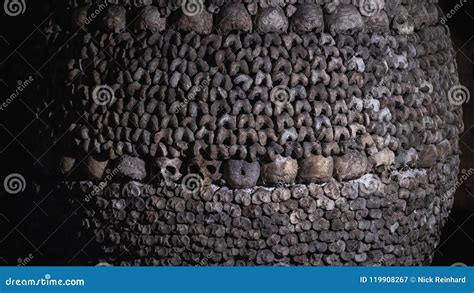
{"x":253,"y":132}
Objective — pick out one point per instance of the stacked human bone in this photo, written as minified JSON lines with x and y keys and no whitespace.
{"x":254,"y":133}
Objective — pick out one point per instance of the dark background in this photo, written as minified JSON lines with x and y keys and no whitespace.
{"x":457,"y":242}
{"x":19,"y":59}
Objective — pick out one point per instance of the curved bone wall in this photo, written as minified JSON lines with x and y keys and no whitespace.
{"x":254,"y":133}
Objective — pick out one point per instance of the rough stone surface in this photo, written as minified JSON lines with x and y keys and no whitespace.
{"x":234,"y":17}
{"x":272,"y":20}
{"x":351,"y":165}
{"x":403,"y":22}
{"x":131,"y":167}
{"x":200,"y":23}
{"x":385,"y":157}
{"x":79,"y":17}
{"x":150,"y":18}
{"x":241,"y":174}
{"x":444,"y":149}
{"x":282,"y":170}
{"x":95,"y":169}
{"x":115,"y":18}
{"x":378,"y":22}
{"x":346,"y":19}
{"x":316,"y":168}
{"x":307,"y":18}
{"x":66,"y":164}
{"x":427,"y":156}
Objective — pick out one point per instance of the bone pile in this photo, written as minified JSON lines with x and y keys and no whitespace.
{"x":255,"y":132}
